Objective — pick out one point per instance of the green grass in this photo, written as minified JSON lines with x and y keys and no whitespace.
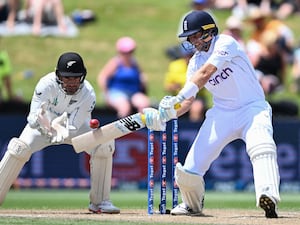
{"x":78,"y":199}
{"x":153,"y":23}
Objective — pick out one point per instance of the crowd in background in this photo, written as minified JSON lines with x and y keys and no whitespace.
{"x":36,"y":12}
{"x":271,"y":46}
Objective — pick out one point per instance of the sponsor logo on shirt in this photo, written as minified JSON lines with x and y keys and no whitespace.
{"x":221,"y":52}
{"x":72,"y":101}
{"x":219,"y":78}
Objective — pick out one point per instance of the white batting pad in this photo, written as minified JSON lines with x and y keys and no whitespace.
{"x":101,"y":172}
{"x":191,"y":187}
{"x":266,"y":176}
{"x":17,"y":154}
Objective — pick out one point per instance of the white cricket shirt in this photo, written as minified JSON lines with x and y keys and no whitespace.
{"x":78,"y":106}
{"x":234,"y":84}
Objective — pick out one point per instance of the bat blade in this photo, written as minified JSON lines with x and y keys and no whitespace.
{"x":116,"y":129}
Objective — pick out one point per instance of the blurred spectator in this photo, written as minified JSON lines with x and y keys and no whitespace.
{"x":234,"y":28}
{"x":8,"y":12}
{"x":4,"y":9}
{"x":262,"y":22}
{"x":5,"y":79}
{"x":284,"y":8}
{"x":48,"y":12}
{"x":243,"y":7}
{"x":221,"y":4}
{"x":270,"y":63}
{"x":175,"y":79}
{"x":122,"y":80}
{"x":280,"y":8}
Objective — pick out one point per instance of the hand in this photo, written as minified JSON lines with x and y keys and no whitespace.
{"x":153,"y":121}
{"x":61,"y":126}
{"x":167,"y":108}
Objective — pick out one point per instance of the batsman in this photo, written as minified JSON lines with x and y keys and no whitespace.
{"x":239,"y":111}
{"x":60,"y":109}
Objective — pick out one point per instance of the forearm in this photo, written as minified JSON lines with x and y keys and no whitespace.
{"x":185,"y":107}
{"x":197,"y":81}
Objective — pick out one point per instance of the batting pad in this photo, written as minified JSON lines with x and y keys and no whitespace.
{"x":17,"y":154}
{"x":101,"y":172}
{"x":191,"y":188}
{"x":265,"y":171}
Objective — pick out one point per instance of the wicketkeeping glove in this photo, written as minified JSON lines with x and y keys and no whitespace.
{"x":61,"y":127}
{"x":153,"y":120}
{"x":40,"y":121}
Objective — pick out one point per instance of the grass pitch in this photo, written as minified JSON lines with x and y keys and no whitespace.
{"x":64,"y":207}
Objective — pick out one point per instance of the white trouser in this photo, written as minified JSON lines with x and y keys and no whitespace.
{"x":252,"y":124}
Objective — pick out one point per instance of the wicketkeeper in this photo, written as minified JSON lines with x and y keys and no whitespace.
{"x":60,"y":109}
{"x":239,"y":111}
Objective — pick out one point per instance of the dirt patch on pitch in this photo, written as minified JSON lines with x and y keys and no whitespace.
{"x":212,"y":216}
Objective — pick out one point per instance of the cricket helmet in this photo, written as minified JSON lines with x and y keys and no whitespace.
{"x":196,"y":21}
{"x":70,"y":64}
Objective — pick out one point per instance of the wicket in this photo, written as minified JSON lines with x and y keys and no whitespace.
{"x":163,"y":168}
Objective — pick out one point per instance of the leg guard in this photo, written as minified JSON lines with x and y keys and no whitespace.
{"x":265,"y":171}
{"x":191,"y":187}
{"x":17,"y":154}
{"x":101,"y":172}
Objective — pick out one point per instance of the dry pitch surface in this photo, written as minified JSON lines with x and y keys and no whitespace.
{"x":212,"y":216}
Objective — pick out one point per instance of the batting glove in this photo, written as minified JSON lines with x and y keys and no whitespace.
{"x":167,"y":107}
{"x":153,"y":120}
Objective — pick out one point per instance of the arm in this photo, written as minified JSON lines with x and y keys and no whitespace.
{"x":167,"y":106}
{"x":187,"y":94}
{"x":107,"y":71}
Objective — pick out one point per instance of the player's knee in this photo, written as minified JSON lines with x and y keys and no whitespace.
{"x":261,"y":143}
{"x":105,"y":150}
{"x":187,"y":180}
{"x":19,"y":149}
{"x":261,"y":150}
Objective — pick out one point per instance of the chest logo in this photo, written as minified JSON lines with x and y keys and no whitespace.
{"x":219,"y":78}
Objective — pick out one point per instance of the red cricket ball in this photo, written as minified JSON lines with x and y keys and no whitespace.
{"x":94,"y":123}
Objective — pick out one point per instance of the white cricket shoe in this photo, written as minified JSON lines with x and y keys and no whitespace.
{"x":104,"y":207}
{"x":269,"y":205}
{"x":183,"y":209}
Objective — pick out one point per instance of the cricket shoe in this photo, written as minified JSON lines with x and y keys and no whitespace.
{"x":104,"y":207}
{"x":269,"y":205}
{"x":183,"y":209}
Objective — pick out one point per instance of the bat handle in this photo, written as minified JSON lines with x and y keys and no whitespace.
{"x":177,"y":106}
{"x":143,"y":118}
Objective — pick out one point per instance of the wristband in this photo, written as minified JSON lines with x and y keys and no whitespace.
{"x":189,"y":90}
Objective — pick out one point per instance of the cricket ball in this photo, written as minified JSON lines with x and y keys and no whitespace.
{"x":94,"y":123}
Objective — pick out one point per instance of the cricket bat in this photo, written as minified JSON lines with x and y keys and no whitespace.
{"x":116,"y":129}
